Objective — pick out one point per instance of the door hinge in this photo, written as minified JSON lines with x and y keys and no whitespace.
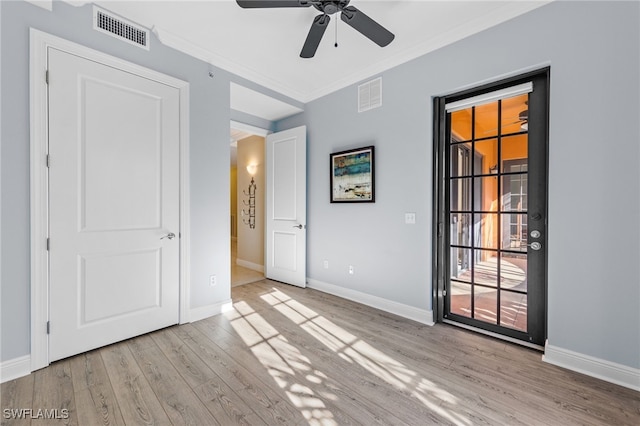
{"x":47,"y":244}
{"x":46,"y":76}
{"x":48,"y":327}
{"x":48,"y":161}
{"x":440,"y":227}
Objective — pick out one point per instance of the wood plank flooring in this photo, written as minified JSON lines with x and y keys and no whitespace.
{"x":290,"y":356}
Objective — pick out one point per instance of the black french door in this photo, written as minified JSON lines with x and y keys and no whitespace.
{"x":491,"y":208}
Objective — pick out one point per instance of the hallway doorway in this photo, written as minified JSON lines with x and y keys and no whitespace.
{"x":247,"y":190}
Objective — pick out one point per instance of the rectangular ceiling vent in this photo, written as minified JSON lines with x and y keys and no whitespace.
{"x":120,"y":28}
{"x":370,"y":95}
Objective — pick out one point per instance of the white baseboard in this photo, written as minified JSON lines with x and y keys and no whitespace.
{"x":15,"y":368}
{"x":202,"y":312}
{"x":420,"y":315}
{"x":250,"y":265}
{"x":594,"y":367}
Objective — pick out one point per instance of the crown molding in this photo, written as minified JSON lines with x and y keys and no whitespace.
{"x":179,"y":43}
{"x":507,"y":11}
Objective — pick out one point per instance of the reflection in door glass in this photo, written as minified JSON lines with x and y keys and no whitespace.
{"x":484,"y":306}
{"x":513,"y":310}
{"x":513,"y":272}
{"x":461,"y":264}
{"x":460,"y":229}
{"x":486,"y":230}
{"x":514,"y":232}
{"x":461,"y":292}
{"x":485,"y":268}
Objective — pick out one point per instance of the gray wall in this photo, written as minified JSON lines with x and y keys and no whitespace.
{"x":593,"y":49}
{"x":209,"y":157}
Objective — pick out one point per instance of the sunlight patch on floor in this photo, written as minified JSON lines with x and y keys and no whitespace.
{"x":284,"y":362}
{"x":355,"y":350}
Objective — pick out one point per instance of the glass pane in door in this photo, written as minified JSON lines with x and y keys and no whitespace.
{"x":461,"y":302}
{"x":488,"y":202}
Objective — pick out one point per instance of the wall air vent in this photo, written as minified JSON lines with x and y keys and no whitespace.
{"x":120,"y":28}
{"x":370,"y":95}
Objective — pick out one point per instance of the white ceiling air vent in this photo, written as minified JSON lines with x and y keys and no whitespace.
{"x":120,"y":28}
{"x":370,"y":95}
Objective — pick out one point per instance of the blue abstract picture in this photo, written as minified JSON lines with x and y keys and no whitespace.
{"x":352,"y":176}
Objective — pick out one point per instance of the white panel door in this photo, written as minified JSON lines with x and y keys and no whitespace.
{"x":286,"y":205}
{"x":114,"y":204}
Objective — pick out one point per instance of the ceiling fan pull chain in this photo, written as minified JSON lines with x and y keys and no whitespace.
{"x":336,"y":44}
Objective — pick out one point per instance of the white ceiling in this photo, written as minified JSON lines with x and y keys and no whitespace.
{"x":259,"y":104}
{"x":263,"y":45}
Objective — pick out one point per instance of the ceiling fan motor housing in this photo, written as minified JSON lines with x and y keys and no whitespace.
{"x":329,"y":7}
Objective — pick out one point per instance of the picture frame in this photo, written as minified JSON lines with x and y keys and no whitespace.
{"x":353,"y":175}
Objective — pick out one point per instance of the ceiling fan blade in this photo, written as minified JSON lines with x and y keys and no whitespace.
{"x":254,"y":4}
{"x":367,"y":26}
{"x":318,"y":28}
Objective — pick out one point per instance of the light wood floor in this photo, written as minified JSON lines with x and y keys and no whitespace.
{"x":291,"y":356}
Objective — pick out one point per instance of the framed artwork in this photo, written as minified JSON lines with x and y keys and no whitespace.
{"x":352,"y":176}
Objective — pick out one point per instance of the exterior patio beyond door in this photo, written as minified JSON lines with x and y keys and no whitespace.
{"x":492,"y":210}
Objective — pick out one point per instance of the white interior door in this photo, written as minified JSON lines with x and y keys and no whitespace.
{"x":286,"y":205}
{"x":114,"y":204}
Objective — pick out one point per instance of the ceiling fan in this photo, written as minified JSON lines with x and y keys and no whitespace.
{"x":349,"y":14}
{"x":523,"y":121}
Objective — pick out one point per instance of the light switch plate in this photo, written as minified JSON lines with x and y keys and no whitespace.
{"x":410,"y":218}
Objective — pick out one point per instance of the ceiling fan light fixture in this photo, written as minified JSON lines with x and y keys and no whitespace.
{"x":330,"y":8}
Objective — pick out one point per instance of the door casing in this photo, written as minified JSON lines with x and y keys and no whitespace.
{"x":40,"y":42}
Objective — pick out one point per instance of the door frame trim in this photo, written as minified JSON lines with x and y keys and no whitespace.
{"x":40,"y":42}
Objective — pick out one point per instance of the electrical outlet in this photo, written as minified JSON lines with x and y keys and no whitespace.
{"x":351,"y":270}
{"x":325,"y":264}
{"x":213,"y":281}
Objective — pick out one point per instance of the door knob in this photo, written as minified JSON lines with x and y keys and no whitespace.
{"x":535,"y":245}
{"x":299,"y":226}
{"x":170,"y":236}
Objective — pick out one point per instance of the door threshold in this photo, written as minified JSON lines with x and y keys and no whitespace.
{"x":496,"y":335}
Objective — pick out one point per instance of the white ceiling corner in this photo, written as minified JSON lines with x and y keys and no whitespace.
{"x":260,"y":105}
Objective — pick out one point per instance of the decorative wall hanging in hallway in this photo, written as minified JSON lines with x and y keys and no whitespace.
{"x":250,"y":202}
